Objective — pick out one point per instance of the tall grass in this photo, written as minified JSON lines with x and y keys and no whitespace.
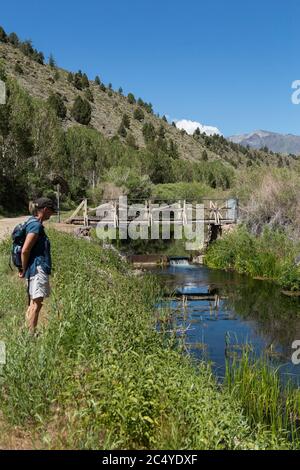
{"x":265,"y":398}
{"x":271,"y":255}
{"x":100,"y":375}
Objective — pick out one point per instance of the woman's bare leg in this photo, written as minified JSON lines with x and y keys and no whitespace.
{"x":32,"y":314}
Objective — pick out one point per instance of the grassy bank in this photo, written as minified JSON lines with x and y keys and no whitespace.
{"x":270,"y":255}
{"x":99,"y":375}
{"x":264,"y":396}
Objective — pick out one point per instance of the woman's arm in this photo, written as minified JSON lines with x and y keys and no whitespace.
{"x":30,"y":240}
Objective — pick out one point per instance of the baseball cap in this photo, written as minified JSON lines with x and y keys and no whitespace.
{"x":43,"y":202}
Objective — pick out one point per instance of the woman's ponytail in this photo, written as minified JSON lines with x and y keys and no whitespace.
{"x":32,"y":208}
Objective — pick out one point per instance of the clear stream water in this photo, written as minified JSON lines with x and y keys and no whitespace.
{"x":244,"y":313}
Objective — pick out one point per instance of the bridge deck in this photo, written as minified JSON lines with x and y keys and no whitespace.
{"x":93,"y":221}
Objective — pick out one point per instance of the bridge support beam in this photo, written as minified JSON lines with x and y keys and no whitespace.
{"x":214,"y":232}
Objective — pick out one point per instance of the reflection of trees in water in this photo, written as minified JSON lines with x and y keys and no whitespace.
{"x":276,"y":317}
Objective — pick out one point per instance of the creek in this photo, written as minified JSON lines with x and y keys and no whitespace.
{"x":221,"y":314}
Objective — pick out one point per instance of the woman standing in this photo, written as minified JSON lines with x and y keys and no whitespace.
{"x":36,"y":259}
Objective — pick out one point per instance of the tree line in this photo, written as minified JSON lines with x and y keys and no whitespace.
{"x":36,"y":153}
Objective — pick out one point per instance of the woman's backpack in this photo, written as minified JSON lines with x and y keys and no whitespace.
{"x":18,"y":238}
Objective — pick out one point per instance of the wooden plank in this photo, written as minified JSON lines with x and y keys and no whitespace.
{"x":68,"y":221}
{"x":192,"y":297}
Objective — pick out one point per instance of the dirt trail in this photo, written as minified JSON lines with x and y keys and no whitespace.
{"x":7,"y":225}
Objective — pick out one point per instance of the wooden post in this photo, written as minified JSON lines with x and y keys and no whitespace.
{"x":184,"y":215}
{"x":85,"y":213}
{"x":69,"y":220}
{"x":150,"y":214}
{"x":58,"y":202}
{"x":115,"y":216}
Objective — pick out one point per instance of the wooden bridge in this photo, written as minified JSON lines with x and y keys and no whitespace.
{"x":115,"y":213}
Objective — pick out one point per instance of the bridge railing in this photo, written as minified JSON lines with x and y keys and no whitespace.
{"x":115,"y":213}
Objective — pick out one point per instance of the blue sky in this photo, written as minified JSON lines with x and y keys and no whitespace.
{"x":225,"y":63}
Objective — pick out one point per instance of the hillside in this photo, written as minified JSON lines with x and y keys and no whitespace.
{"x":108,"y":108}
{"x":107,"y":111}
{"x":281,"y":143}
{"x":59,"y":126}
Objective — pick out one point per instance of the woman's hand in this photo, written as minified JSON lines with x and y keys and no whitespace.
{"x":21,"y":274}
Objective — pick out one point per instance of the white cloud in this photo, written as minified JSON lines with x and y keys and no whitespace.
{"x":191,"y":126}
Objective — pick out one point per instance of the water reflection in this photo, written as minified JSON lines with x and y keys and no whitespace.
{"x":222,"y":313}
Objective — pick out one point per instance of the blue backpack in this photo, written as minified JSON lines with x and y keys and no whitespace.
{"x":18,"y":238}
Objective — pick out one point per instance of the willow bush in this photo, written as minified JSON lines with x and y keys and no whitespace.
{"x":271,"y":255}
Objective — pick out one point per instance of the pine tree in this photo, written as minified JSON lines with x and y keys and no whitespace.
{"x":149,"y":132}
{"x":120,"y":90}
{"x":81,"y":111}
{"x":131,"y":98}
{"x":85,"y":81}
{"x":173,"y":150}
{"x":13,"y":39}
{"x":149,"y":108}
{"x":78,"y":81}
{"x":38,"y":57}
{"x":161,"y":132}
{"x":26,"y":48}
{"x":97,"y":80}
{"x":70,"y":77}
{"x":52,"y":62}
{"x":89,"y":95}
{"x":3,"y":35}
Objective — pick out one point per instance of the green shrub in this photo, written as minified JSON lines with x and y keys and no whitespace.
{"x":270,"y":255}
{"x":138,"y":114}
{"x":89,"y":95}
{"x":189,"y":191}
{"x":56,"y":102}
{"x":18,"y":69}
{"x":121,"y":130}
{"x":81,"y":111}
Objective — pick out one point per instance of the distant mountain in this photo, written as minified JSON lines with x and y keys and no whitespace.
{"x":281,"y":143}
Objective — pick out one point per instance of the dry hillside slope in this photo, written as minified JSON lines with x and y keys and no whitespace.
{"x":109,"y":107}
